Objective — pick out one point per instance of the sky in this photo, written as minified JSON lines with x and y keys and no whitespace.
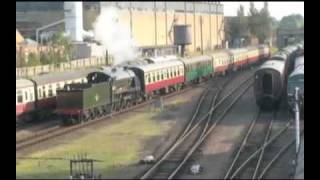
{"x":276,"y":9}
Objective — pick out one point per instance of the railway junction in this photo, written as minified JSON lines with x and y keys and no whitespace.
{"x":188,"y":107}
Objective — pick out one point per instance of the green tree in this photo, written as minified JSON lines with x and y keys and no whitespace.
{"x":294,"y":21}
{"x":260,"y":22}
{"x":58,"y":41}
{"x":45,"y":58}
{"x":33,"y":60}
{"x":238,"y":25}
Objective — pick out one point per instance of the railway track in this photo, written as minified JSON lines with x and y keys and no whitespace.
{"x":261,"y":146}
{"x":168,"y":166}
{"x":257,"y":134}
{"x":56,"y":131}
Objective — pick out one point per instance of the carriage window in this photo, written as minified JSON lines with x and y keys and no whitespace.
{"x":158,"y":76}
{"x":19,"y":97}
{"x":44,"y":91}
{"x":50,"y":91}
{"x":26,"y":95}
{"x":39,"y":92}
{"x":171,"y":73}
{"x":57,"y":86}
{"x":149,"y":79}
{"x":162,"y":76}
{"x":82,"y":80}
{"x":178,"y":72}
{"x":31,"y":96}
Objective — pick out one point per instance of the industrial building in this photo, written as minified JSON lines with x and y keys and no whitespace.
{"x":151,"y":23}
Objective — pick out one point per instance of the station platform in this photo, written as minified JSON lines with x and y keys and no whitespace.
{"x":299,"y":174}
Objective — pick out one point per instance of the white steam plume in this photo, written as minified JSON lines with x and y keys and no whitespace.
{"x":115,"y":37}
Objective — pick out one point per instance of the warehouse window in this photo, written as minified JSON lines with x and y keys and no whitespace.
{"x":19,"y":97}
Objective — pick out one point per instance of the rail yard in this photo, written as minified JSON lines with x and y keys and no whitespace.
{"x":172,"y":112}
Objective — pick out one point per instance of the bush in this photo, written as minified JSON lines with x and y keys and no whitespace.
{"x":45,"y":58}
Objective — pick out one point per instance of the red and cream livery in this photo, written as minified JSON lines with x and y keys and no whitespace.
{"x":39,"y":92}
{"x":221,"y":62}
{"x":161,"y":76}
{"x":157,"y":75}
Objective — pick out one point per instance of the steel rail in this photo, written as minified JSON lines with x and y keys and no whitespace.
{"x":55,"y":132}
{"x":244,"y":142}
{"x":284,"y":149}
{"x":262,"y":152}
{"x":260,"y":149}
{"x":180,"y":140}
{"x":208,"y":132}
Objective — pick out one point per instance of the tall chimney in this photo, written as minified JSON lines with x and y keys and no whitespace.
{"x":74,"y":20}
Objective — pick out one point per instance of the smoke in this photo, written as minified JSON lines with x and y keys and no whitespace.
{"x":114,"y":36}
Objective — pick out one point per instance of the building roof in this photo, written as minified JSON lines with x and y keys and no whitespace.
{"x":19,"y":37}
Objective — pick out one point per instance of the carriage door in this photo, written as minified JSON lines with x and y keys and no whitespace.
{"x":267,"y":84}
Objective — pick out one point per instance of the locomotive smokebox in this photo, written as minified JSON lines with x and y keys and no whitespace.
{"x":182,"y":36}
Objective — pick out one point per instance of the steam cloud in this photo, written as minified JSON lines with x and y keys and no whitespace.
{"x":115,"y":37}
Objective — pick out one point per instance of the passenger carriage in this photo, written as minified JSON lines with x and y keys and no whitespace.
{"x":197,"y":68}
{"x":240,"y":57}
{"x":221,"y":62}
{"x":25,"y":98}
{"x":253,"y":55}
{"x":160,"y":77}
{"x":269,"y":83}
{"x":36,"y":95}
{"x":296,"y":79}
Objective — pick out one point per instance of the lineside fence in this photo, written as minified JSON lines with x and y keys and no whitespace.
{"x":61,"y":67}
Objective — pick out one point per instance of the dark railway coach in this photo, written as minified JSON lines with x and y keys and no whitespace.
{"x":268,"y":85}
